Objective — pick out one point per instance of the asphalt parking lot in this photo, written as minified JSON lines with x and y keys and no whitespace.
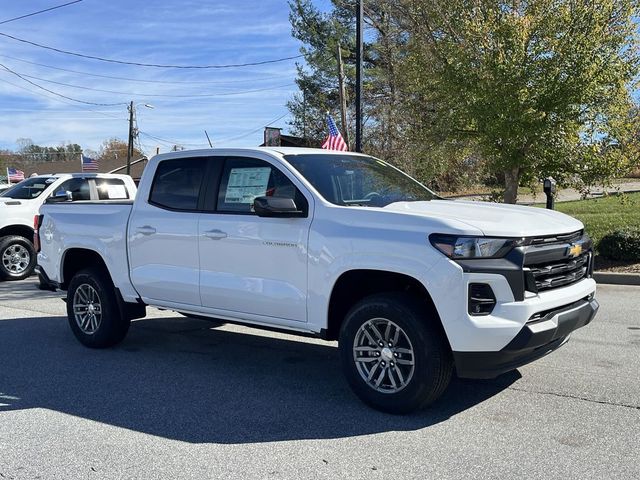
{"x":180,"y":399}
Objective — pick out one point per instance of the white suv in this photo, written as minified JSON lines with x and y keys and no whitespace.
{"x":20,"y":203}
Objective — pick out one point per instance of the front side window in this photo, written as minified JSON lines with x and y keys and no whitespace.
{"x":79,"y":188}
{"x":354,"y":180}
{"x":29,"y":188}
{"x":177,"y":183}
{"x":244,"y":179}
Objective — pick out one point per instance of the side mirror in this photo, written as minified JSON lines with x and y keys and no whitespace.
{"x":276,"y":207}
{"x":60,"y":196}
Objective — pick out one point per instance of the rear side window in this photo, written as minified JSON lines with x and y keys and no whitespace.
{"x":177,"y":183}
{"x":111,"y":189}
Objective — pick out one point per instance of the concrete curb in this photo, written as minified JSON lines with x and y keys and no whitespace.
{"x":614,"y":278}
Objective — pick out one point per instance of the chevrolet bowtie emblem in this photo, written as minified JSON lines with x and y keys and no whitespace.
{"x":574,"y":250}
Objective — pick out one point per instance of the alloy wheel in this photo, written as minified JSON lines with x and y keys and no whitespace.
{"x":384,"y":355}
{"x":87,"y":309}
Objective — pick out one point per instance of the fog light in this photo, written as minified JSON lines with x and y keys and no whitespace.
{"x":481,"y":299}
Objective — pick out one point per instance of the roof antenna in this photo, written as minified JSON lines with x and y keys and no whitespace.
{"x":208,"y":139}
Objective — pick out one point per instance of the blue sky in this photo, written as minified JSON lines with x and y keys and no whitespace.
{"x":162,"y":31}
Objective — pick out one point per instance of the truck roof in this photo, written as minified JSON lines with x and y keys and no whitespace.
{"x":248,"y":150}
{"x":77,"y":175}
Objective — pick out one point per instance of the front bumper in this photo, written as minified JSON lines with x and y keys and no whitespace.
{"x":537,"y":338}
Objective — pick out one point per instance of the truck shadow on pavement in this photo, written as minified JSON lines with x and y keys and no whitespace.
{"x":181,"y":379}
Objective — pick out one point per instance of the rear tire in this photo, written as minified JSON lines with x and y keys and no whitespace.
{"x":17,"y":258}
{"x":395,"y":358}
{"x":93,"y":311}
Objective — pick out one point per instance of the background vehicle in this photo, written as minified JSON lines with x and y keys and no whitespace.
{"x":20,"y":203}
{"x":338,"y":245}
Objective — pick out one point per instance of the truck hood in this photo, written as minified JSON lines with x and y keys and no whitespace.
{"x":493,"y":219}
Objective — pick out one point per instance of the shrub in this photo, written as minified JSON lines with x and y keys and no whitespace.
{"x":621,"y":245}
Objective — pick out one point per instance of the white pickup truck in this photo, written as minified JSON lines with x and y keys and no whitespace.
{"x":21,"y":202}
{"x":342,"y":246}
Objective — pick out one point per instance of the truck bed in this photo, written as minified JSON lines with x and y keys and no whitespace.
{"x":99,"y":226}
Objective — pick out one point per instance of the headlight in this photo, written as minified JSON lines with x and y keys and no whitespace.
{"x":457,"y":247}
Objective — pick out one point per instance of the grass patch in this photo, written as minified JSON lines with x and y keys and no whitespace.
{"x":604,"y":215}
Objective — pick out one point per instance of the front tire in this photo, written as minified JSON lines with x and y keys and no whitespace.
{"x":93,"y":312}
{"x":17,"y":258}
{"x":394,"y":357}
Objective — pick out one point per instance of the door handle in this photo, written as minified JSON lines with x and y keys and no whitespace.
{"x":146,"y":230}
{"x":215,"y":234}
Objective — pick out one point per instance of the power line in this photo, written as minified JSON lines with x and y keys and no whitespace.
{"x":59,"y":94}
{"x":39,"y":11}
{"x":238,"y":137}
{"x":168,"y":82}
{"x":170,"y":142}
{"x":155,"y":65}
{"x":58,"y":100}
{"x":224,"y":94}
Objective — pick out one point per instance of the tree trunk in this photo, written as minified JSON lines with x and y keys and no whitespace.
{"x":511,"y":181}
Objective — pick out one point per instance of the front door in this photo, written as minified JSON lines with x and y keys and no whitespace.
{"x":249,"y":264}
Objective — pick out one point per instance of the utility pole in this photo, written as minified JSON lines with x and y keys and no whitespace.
{"x":343,"y":98}
{"x":359,"y":51}
{"x":130,"y":142}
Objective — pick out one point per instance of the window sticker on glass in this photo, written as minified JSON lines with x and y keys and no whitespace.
{"x":116,"y":192}
{"x":245,"y":184}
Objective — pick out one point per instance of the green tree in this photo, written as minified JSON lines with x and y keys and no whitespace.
{"x":114,"y":148}
{"x":536,"y":88}
{"x":393,"y":126}
{"x":320,"y":34}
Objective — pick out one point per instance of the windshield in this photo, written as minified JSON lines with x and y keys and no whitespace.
{"x":345,"y":179}
{"x":29,"y":188}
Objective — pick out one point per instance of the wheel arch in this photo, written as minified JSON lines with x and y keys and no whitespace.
{"x":354,"y":285}
{"x":76,"y":259}
{"x":18,"y":230}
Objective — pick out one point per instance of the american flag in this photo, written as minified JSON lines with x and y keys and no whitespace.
{"x":89,"y":164}
{"x":15,"y":175}
{"x":334,"y":141}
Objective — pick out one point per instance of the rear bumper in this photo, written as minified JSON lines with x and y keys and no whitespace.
{"x":536,"y":339}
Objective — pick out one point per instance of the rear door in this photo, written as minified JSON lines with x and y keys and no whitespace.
{"x":163,"y":234}
{"x":249,"y":264}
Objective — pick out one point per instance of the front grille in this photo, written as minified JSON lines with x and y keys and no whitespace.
{"x":567,"y":237}
{"x":560,"y":274}
{"x":549,"y":264}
